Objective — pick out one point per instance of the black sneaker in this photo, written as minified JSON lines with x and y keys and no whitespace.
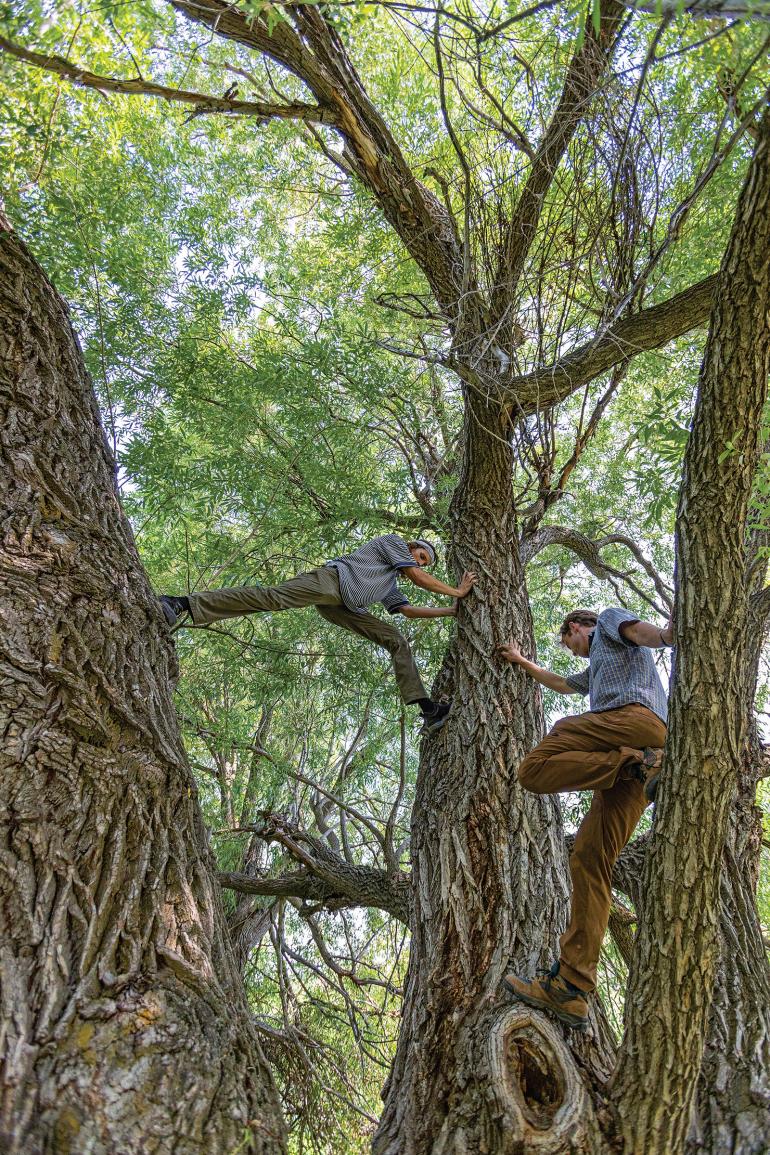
{"x":436,"y":718}
{"x":175,"y":610}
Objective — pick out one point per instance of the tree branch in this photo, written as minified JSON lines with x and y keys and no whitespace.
{"x":341,"y":887}
{"x":202,"y":102}
{"x":327,"y":878}
{"x":580,"y":84}
{"x":305,"y":43}
{"x":760,"y":605}
{"x":589,"y":552}
{"x":650,"y":328}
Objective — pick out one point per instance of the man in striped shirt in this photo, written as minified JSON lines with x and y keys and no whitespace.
{"x":340,"y":591}
{"x":615,"y":750}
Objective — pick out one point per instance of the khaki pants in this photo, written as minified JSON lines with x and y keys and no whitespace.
{"x":319,"y":588}
{"x":592,"y":752}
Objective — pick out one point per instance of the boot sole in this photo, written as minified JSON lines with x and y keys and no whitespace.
{"x":434,"y":729}
{"x":168,"y":614}
{"x":574,"y":1021}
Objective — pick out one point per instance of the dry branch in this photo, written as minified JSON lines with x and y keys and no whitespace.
{"x":202,"y":102}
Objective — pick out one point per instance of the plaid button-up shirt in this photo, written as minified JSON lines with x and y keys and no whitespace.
{"x":619,"y":672}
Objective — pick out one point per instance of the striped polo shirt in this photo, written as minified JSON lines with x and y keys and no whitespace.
{"x":369,"y":574}
{"x":619,"y":672}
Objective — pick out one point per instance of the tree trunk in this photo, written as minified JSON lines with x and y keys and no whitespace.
{"x":126,"y":1024}
{"x":678,"y":944}
{"x":732,"y":1108}
{"x":489,"y":881}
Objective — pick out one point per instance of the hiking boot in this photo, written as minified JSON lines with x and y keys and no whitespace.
{"x":554,"y":994}
{"x":651,"y":787}
{"x":175,"y":610}
{"x":648,"y":770}
{"x":435,"y":718}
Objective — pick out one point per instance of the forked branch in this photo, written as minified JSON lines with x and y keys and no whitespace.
{"x":202,"y":102}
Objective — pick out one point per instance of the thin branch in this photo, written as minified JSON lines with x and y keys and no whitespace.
{"x":580,"y":84}
{"x":203,"y":103}
{"x":648,"y":329}
{"x":589,"y":553}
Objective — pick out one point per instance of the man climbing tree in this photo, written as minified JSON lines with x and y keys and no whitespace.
{"x":615,"y":749}
{"x":530,"y":291}
{"x":340,"y":591}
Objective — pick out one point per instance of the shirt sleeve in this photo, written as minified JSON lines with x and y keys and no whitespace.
{"x":394,"y":600}
{"x":580,"y":683}
{"x":611,"y":620}
{"x":395,"y":551}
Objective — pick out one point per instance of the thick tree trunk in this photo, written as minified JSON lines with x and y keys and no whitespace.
{"x":126,"y":1025}
{"x":474,"y":1073}
{"x":732,"y":1109}
{"x":678,"y":945}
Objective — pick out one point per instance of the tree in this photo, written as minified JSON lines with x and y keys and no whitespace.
{"x":486,"y":258}
{"x":126,"y":1026}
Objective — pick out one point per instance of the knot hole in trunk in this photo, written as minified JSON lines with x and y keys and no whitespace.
{"x":536,"y":1074}
{"x":542,"y":1101}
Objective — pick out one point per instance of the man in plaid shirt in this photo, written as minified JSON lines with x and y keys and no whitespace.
{"x":615,"y":750}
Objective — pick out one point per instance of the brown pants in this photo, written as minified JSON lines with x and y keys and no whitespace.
{"x":593,"y":751}
{"x":319,"y":588}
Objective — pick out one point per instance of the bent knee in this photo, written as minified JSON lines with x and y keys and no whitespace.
{"x":528,"y":774}
{"x":395,"y":643}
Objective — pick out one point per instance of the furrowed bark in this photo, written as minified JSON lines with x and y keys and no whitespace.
{"x":732,"y":1105}
{"x":489,"y":875}
{"x":126,"y":1027}
{"x":678,"y":947}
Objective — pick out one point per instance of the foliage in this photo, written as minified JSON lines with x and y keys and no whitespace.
{"x":229,"y":286}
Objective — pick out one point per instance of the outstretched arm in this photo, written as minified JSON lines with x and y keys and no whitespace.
{"x":410,"y":611}
{"x":511,"y":653}
{"x":646,"y":634}
{"x":426,"y":581}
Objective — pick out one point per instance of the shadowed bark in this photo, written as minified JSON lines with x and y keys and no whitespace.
{"x":677,"y":951}
{"x":126,"y":1027}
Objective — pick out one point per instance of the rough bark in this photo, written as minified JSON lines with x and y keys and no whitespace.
{"x":489,"y":885}
{"x":731,"y":1114}
{"x":126,"y":1026}
{"x":678,"y":944}
{"x":732,"y":1109}
{"x":333,"y":885}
